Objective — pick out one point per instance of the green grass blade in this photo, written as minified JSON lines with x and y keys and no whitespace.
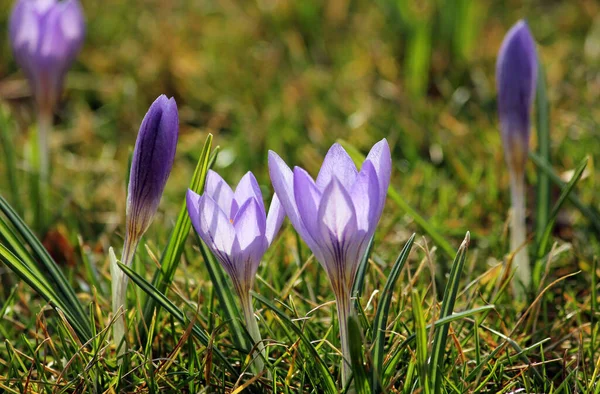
{"x":226,"y":298}
{"x":379,"y":325}
{"x":162,"y":300}
{"x":321,"y":376}
{"x":421,"y":336}
{"x":51,"y":272}
{"x":590,"y":214}
{"x":10,"y":159}
{"x":441,"y":334}
{"x":543,"y":244}
{"x":437,"y":238}
{"x":172,"y":253}
{"x":44,"y":289}
{"x":542,"y":109}
{"x":361,"y":379}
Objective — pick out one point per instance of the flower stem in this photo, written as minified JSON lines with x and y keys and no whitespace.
{"x":42,"y":167}
{"x":518,"y":234}
{"x":252,"y":326}
{"x":119,"y":290}
{"x":343,"y":312}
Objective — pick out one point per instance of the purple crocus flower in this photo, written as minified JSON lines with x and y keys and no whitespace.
{"x":151,"y":165}
{"x":236,"y":228}
{"x":516,"y":75}
{"x":46,"y":36}
{"x":516,"y":78}
{"x":336,"y":215}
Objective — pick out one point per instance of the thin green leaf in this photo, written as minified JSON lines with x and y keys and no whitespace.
{"x":359,"y":282}
{"x":587,"y":212}
{"x":172,"y":253}
{"x":162,"y":300}
{"x":438,"y":351}
{"x":361,"y":379}
{"x":380,"y":323}
{"x":421,"y":335}
{"x":321,"y":376}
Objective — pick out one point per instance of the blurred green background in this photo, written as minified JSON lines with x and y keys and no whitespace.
{"x":295,"y":76}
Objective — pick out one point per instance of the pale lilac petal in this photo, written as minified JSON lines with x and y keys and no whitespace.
{"x":249,"y":223}
{"x":274,"y":219}
{"x":248,"y":188}
{"x":214,"y":227}
{"x":365,"y":195}
{"x":283,"y":183}
{"x":337,"y":215}
{"x":337,"y":164}
{"x":308,"y":198}
{"x":381,"y":158}
{"x":219,"y":190}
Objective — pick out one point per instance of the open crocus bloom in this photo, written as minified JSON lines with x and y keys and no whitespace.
{"x":337,"y":214}
{"x":234,"y":225}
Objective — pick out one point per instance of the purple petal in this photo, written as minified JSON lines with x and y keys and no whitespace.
{"x":337,"y":164}
{"x":274,"y":219}
{"x":249,"y":223}
{"x":365,"y":195}
{"x":337,"y":215}
{"x":516,"y":77}
{"x":247,"y":189}
{"x":220,"y":191}
{"x":308,"y":198}
{"x":152,"y":162}
{"x":213,"y":226}
{"x":381,"y":159}
{"x":283,"y":183}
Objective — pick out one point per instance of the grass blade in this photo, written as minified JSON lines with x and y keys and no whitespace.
{"x":172,"y":252}
{"x":441,"y":334}
{"x":421,"y":336}
{"x":561,"y":200}
{"x":359,"y":281}
{"x":321,"y":377}
{"x":383,"y":309}
{"x":42,"y":263}
{"x":590,"y":214}
{"x":162,"y":300}
{"x":542,"y":109}
{"x":361,"y":379}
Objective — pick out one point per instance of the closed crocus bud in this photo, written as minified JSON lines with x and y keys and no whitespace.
{"x":150,"y":168}
{"x":236,"y":228}
{"x":336,"y":215}
{"x":516,"y":78}
{"x":46,"y":36}
{"x":151,"y":164}
{"x":516,"y":74}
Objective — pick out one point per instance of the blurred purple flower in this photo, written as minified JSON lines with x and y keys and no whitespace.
{"x":336,"y":215}
{"x":516,"y":74}
{"x":46,"y":36}
{"x":151,"y":164}
{"x":235,"y":226}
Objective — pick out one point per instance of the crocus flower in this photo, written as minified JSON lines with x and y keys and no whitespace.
{"x":336,"y":215}
{"x":150,"y":168}
{"x":516,"y":77}
{"x":235,"y":227}
{"x":46,"y":36}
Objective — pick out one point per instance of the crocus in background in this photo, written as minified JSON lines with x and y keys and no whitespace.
{"x":336,"y":215}
{"x":516,"y":74}
{"x":151,"y":165}
{"x":236,"y":228}
{"x":46,"y":36}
